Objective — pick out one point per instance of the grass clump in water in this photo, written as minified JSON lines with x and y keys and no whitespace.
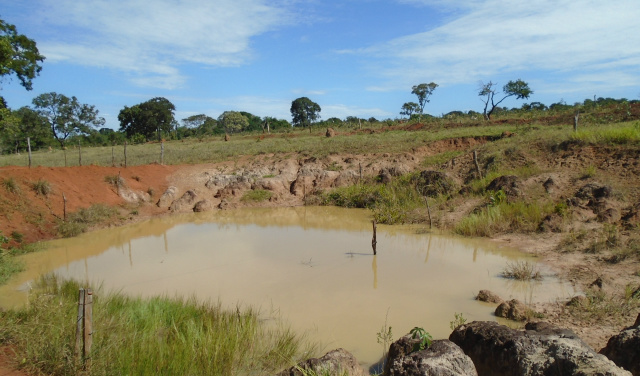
{"x":135,"y":336}
{"x":522,"y":271}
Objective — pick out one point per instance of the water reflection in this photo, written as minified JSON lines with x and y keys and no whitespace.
{"x":314,"y":265}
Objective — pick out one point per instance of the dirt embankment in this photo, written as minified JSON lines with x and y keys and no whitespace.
{"x":560,"y":175}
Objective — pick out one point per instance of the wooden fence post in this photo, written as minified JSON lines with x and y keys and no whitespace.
{"x":64,"y":207}
{"x":475,"y":160}
{"x":79,"y":324}
{"x":374,"y":242}
{"x":79,"y":154}
{"x":88,"y":327}
{"x":29,"y":148}
{"x":162,"y":152}
{"x":125,"y":154}
{"x":113,"y":158}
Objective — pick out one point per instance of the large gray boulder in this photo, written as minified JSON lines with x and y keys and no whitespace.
{"x":624,"y":348}
{"x":167,"y":197}
{"x":184,"y":203}
{"x":336,"y":362}
{"x":442,"y":358}
{"x":540,"y":349}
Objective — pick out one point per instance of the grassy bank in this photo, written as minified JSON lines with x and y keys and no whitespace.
{"x":156,"y":336}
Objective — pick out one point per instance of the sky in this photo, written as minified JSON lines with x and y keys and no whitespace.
{"x":352,"y":57}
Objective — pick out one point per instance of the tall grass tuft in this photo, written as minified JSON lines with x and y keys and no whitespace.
{"x":502,"y":217}
{"x":41,"y":187}
{"x":155,"y":336}
{"x":521,"y":270}
{"x":11,"y":185}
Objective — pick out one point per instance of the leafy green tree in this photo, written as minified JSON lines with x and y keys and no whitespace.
{"x":202,"y":124}
{"x":255,"y":122}
{"x":154,"y":116}
{"x":488,"y":91}
{"x":233,"y":121}
{"x":304,"y":112}
{"x":276,"y":123}
{"x":423,"y":92}
{"x":409,"y":109}
{"x":18,"y":55}
{"x":66,"y":116}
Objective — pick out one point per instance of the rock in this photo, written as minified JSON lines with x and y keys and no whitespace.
{"x":512,"y":310}
{"x":549,"y":185}
{"x":227,"y":137}
{"x":330,"y":132}
{"x":624,"y":348}
{"x":184,"y":203}
{"x":224,"y":204}
{"x":499,"y":350}
{"x":507,"y":134}
{"x":346,"y":177}
{"x":637,"y":323}
{"x":578,"y":301}
{"x":276,"y":185}
{"x":442,"y":358}
{"x":434,"y":183}
{"x":489,"y":297}
{"x":326,"y":179}
{"x":594,"y":191}
{"x":167,"y":197}
{"x":334,"y":362}
{"x":202,"y":206}
{"x":509,"y":184}
{"x":553,"y":222}
{"x":597,"y":283}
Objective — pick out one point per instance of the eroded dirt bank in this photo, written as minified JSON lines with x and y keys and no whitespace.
{"x":560,"y":175}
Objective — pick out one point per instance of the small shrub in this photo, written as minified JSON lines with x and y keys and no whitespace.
{"x":114,"y":180}
{"x":17,"y":237}
{"x":521,"y":270}
{"x":457,"y":321}
{"x":136,"y":178}
{"x":334,"y":166}
{"x":256,"y":195}
{"x":41,"y":187}
{"x":11,"y":185}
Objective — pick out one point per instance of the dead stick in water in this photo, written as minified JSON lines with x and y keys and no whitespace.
{"x":374,"y":242}
{"x":426,"y":200}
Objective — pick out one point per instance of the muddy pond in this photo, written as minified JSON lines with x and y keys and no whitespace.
{"x":311,"y":266}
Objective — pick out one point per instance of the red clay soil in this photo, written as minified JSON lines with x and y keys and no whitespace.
{"x":34,"y":215}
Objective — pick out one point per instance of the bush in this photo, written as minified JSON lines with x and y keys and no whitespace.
{"x":41,"y":187}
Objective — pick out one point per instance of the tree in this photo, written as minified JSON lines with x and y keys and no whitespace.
{"x":148,"y":118}
{"x":518,"y":88}
{"x":18,"y":55}
{"x":423,"y":92}
{"x":66,"y":116}
{"x":409,"y":109}
{"x":304,"y":112}
{"x":233,"y":121}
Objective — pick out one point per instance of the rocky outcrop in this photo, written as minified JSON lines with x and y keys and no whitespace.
{"x":167,"y":197}
{"x":184,"y":203}
{"x":336,"y":362}
{"x":488,"y":297}
{"x":203,"y":206}
{"x":540,"y":349}
{"x":434,"y":183}
{"x":509,"y":184}
{"x":512,"y":310}
{"x":599,"y":198}
{"x":624,"y":348}
{"x":442,"y":358}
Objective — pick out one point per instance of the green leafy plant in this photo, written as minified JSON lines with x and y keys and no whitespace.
{"x":423,"y":336}
{"x":497,"y":197}
{"x":256,"y":195}
{"x":457,"y":321}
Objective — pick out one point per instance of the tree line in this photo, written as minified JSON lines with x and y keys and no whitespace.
{"x":55,"y":119}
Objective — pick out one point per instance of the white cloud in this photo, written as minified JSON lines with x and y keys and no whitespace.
{"x":496,"y":37}
{"x":150,"y":40}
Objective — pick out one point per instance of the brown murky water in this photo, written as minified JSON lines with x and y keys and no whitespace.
{"x":311,"y":265}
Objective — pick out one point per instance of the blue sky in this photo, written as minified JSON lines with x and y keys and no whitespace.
{"x":352,"y":57}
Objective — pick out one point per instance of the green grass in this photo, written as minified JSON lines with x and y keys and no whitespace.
{"x":256,"y":195}
{"x":41,"y":187}
{"x":11,"y":185}
{"x":599,"y":305}
{"x":8,"y":266}
{"x":504,"y":217}
{"x":80,"y":221}
{"x":154,"y":336}
{"x":618,"y":134}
